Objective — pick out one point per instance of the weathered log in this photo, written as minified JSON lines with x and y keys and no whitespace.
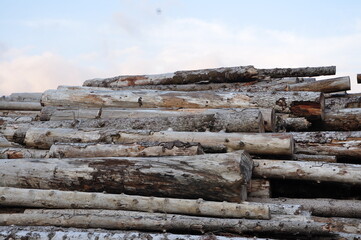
{"x":288,"y":123}
{"x":258,"y":188}
{"x":12,"y":153}
{"x":111,"y":219}
{"x":304,"y":104}
{"x":52,"y":233}
{"x":255,"y":143}
{"x":67,"y":199}
{"x":25,"y":97}
{"x":340,"y":102}
{"x":320,"y":206}
{"x":5,"y":143}
{"x":316,"y":171}
{"x":269,"y":119}
{"x":314,"y":158}
{"x":25,"y":106}
{"x":326,"y":86}
{"x":20,"y":119}
{"x":152,"y":149}
{"x":211,"y":177}
{"x":358,"y":78}
{"x":348,"y":119}
{"x":340,"y":144}
{"x":14,"y":113}
{"x":227,"y":74}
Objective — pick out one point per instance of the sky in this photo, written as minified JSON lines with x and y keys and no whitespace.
{"x":44,"y":44}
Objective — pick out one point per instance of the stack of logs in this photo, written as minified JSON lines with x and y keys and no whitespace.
{"x":227,"y":153}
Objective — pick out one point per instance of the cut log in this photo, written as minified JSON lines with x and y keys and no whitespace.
{"x":287,"y":123}
{"x":320,"y":206}
{"x":4,"y":143}
{"x":218,"y":177}
{"x":12,"y":153}
{"x":358,"y":78}
{"x":216,"y":75}
{"x":110,"y":219}
{"x":25,"y":97}
{"x":67,"y":199}
{"x":254,"y":143}
{"x":348,"y":119}
{"x":20,"y":119}
{"x":316,"y":171}
{"x":152,"y":149}
{"x":303,"y":104}
{"x":348,"y":101}
{"x":14,"y":113}
{"x":269,"y":119}
{"x":52,"y":233}
{"x":314,"y":158}
{"x":259,"y":188}
{"x":340,"y":144}
{"x":326,"y":86}
{"x":20,"y":106}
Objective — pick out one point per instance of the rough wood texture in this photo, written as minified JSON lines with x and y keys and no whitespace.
{"x":13,"y":153}
{"x":348,"y":119}
{"x":68,"y":200}
{"x":340,"y":102}
{"x":259,"y":188}
{"x":20,"y":106}
{"x":152,"y":149}
{"x":227,"y":74}
{"x":340,"y":144}
{"x":287,"y":123}
{"x":110,"y":219}
{"x":4,"y":143}
{"x":303,"y":104}
{"x":316,"y":171}
{"x":269,"y":119}
{"x":14,"y":113}
{"x":255,"y":143}
{"x":358,"y":78}
{"x":326,"y":86}
{"x":320,"y":206}
{"x":314,"y":158}
{"x":218,"y":177}
{"x":24,"y":97}
{"x":6,"y":120}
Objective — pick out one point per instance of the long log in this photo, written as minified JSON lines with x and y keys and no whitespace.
{"x":303,"y":104}
{"x":326,"y":86}
{"x":4,"y":143}
{"x":218,"y":177}
{"x":123,"y":220}
{"x":316,"y":171}
{"x":340,"y":102}
{"x":227,"y":74}
{"x":254,"y":143}
{"x":20,"y":106}
{"x":340,"y":144}
{"x":348,"y":119}
{"x":314,"y":158}
{"x":12,"y":153}
{"x":143,"y":149}
{"x":320,"y":206}
{"x":69,"y":200}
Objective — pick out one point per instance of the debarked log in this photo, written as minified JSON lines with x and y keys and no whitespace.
{"x":254,"y":143}
{"x":12,"y":153}
{"x":304,"y":104}
{"x":218,"y":177}
{"x":226,"y":74}
{"x":20,"y":106}
{"x":316,"y":171}
{"x":325,"y":86}
{"x":347,"y":119}
{"x":66,"y":199}
{"x":142,"y":149}
{"x":126,"y":220}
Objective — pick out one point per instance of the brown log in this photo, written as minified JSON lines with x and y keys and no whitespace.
{"x":216,"y":75}
{"x":358,"y":78}
{"x":326,"y":86}
{"x":348,"y":119}
{"x":81,"y":200}
{"x":320,"y":206}
{"x":303,"y":104}
{"x":218,"y":177}
{"x":255,"y":143}
{"x":152,"y":149}
{"x":340,"y":102}
{"x":314,"y":158}
{"x":259,"y":188}
{"x":287,"y":123}
{"x":12,"y":153}
{"x":20,"y":106}
{"x":315,"y":171}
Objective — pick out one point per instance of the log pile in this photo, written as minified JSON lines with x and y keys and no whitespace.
{"x":226,"y":153}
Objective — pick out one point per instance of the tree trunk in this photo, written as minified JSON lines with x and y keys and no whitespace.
{"x":4,"y":143}
{"x":19,"y":119}
{"x":144,"y":149}
{"x":218,"y":177}
{"x":20,"y":106}
{"x":13,"y":153}
{"x":320,"y":206}
{"x":292,"y":124}
{"x":24,"y":97}
{"x":316,"y":171}
{"x":303,"y":104}
{"x":259,"y":188}
{"x":326,"y":86}
{"x":340,"y":144}
{"x":254,"y":143}
{"x":348,"y":119}
{"x":348,"y":101}
{"x":123,"y":220}
{"x":66,"y":199}
{"x":314,"y":158}
{"x":14,"y":113}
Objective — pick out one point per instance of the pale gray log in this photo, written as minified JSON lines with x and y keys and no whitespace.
{"x":12,"y":153}
{"x":24,"y":106}
{"x":325,"y":86}
{"x":314,"y":158}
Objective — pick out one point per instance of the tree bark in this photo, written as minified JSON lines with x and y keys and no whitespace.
{"x":339,"y":144}
{"x":316,"y":171}
{"x":303,"y":104}
{"x":292,"y":124}
{"x":320,"y":206}
{"x":259,"y":188}
{"x":325,"y":86}
{"x":218,"y":177}
{"x":269,"y":119}
{"x":69,"y":200}
{"x":20,"y":106}
{"x":13,"y":153}
{"x":314,"y":158}
{"x":254,"y":143}
{"x":4,"y":143}
{"x":24,"y":97}
{"x":14,"y":113}
{"x":152,"y":149}
{"x":216,"y":75}
{"x":123,"y":220}
{"x":348,"y":101}
{"x":358,"y":78}
{"x":348,"y":119}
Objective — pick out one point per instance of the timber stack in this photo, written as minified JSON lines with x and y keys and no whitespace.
{"x":226,"y":153}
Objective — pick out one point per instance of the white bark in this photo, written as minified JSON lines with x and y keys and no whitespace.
{"x":340,"y":102}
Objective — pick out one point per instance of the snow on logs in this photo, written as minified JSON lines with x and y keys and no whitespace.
{"x":302,"y":104}
{"x":216,"y":177}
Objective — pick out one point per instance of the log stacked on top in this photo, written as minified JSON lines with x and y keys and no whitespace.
{"x":214,"y":151}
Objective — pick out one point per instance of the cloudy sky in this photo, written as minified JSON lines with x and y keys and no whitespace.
{"x":45,"y":43}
